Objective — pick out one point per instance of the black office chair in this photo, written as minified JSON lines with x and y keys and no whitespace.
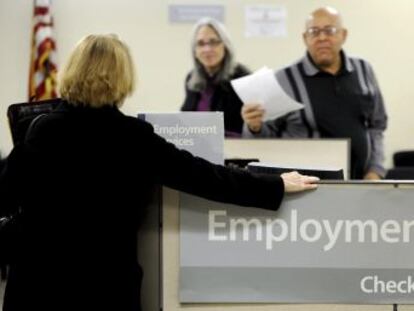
{"x":402,"y":173}
{"x":404,"y":158}
{"x":21,"y":115}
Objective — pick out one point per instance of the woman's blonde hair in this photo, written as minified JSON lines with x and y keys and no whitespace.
{"x":99,"y":72}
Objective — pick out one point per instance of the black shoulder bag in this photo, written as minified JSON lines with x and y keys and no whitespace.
{"x":9,"y":228}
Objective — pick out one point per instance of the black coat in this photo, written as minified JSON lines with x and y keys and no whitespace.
{"x":83,"y":178}
{"x":224,"y":99}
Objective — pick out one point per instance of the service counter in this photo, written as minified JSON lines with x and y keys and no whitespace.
{"x":373,"y":244}
{"x":182,"y":286}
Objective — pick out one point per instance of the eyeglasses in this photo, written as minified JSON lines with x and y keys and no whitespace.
{"x":328,"y":31}
{"x":211,"y":43}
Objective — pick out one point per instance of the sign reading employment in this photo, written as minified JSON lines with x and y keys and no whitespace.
{"x":339,"y":244}
{"x":201,"y":133}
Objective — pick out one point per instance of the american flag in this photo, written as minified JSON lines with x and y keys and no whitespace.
{"x":43,"y":70}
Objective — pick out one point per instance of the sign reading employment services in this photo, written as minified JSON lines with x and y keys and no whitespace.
{"x":201,"y":133}
{"x":339,"y":244}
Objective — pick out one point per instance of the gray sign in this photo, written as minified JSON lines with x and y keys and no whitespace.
{"x":339,"y":244}
{"x":201,"y":133}
{"x":192,"y":13}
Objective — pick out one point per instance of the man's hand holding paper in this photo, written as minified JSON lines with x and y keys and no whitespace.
{"x":252,"y":115}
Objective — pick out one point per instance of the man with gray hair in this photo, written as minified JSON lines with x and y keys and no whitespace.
{"x":340,"y":95}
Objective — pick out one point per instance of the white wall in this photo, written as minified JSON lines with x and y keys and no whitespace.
{"x":379,"y":30}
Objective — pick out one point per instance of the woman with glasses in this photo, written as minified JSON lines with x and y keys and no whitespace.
{"x":208,"y":85}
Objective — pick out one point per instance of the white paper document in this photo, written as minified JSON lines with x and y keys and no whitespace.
{"x":262,"y":87}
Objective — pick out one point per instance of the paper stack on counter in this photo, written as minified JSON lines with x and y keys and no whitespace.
{"x":262,"y":87}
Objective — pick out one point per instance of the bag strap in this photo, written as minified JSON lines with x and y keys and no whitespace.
{"x":33,"y":123}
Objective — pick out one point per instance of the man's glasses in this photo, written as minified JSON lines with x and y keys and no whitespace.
{"x":329,"y":31}
{"x":211,"y":43}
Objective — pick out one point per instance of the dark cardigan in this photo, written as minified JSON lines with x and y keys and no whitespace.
{"x":83,"y":178}
{"x":224,"y":99}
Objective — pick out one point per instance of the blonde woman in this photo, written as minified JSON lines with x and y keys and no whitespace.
{"x":82,"y":180}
